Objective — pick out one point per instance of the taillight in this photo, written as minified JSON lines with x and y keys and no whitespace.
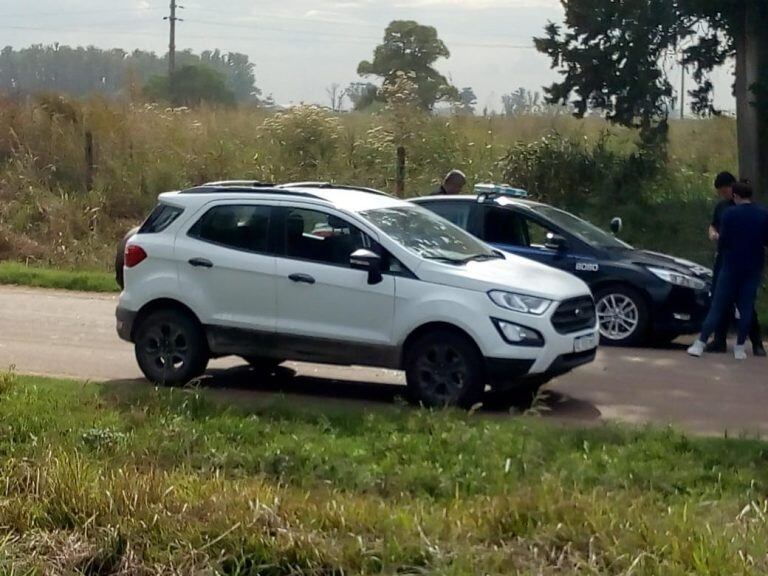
{"x":134,"y":255}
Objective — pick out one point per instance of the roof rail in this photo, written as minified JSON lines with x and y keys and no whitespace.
{"x":240,"y":189}
{"x":251,"y":183}
{"x":329,"y":185}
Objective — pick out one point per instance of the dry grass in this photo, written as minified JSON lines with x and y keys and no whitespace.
{"x":48,"y":217}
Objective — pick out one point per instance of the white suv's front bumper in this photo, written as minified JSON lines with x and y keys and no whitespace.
{"x":556,"y":354}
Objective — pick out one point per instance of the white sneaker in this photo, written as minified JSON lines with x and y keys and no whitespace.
{"x":739,"y":353}
{"x":697,"y":349}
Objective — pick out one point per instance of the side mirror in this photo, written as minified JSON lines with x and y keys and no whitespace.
{"x":555,"y":242}
{"x":616,"y":225}
{"x":367,"y":261}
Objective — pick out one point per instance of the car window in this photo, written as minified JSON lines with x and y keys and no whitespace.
{"x":321,"y":237}
{"x":455,"y":212}
{"x":237,"y":227}
{"x":161,"y":217}
{"x":504,"y":226}
{"x":582,"y":229}
{"x":429,"y":236}
{"x":536,"y":232}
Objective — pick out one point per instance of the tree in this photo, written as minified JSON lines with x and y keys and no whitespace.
{"x":83,"y":71}
{"x":191,"y":86}
{"x":611,"y":55}
{"x":337,"y":96}
{"x":467,"y":101}
{"x":412,"y":48}
{"x":520,"y":102}
{"x":362,"y":94}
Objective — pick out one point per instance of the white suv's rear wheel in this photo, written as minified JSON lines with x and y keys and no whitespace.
{"x":444,"y":368}
{"x":170,"y":348}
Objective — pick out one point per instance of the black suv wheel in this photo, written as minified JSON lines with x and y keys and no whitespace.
{"x":170,"y":348}
{"x":623,"y":315}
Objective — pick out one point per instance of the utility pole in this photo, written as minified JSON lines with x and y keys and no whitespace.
{"x":172,"y":19}
{"x":682,"y":92}
{"x":751,"y":56}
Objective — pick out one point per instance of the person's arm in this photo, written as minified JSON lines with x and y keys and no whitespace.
{"x":726,"y":225}
{"x":714,"y":226}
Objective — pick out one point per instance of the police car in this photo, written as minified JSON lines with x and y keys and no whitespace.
{"x":641,"y":296}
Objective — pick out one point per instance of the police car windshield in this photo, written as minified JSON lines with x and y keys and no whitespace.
{"x":428,"y":235}
{"x":582,"y":229}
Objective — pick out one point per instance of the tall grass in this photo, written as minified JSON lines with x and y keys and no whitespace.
{"x":119,"y":480}
{"x":47,"y":216}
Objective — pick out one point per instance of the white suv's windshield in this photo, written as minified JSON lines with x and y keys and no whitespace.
{"x":428,"y":235}
{"x":580,"y":228}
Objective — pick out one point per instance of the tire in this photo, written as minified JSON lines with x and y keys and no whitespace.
{"x":120,"y":258}
{"x":263,"y":364}
{"x":444,"y":368}
{"x":170,"y":348}
{"x":624,"y":316}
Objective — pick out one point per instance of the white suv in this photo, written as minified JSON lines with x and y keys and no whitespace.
{"x":348,"y":276}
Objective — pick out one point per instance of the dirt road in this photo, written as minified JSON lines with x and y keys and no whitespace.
{"x":73,"y":335}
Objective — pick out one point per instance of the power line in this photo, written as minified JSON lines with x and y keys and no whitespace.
{"x":77,"y":12}
{"x":338,"y":36}
{"x":330,"y":39}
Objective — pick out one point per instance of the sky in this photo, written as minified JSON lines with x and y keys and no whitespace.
{"x":301,"y":47}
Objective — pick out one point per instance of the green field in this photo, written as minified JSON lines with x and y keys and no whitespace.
{"x":127,"y":479}
{"x":17,"y":274}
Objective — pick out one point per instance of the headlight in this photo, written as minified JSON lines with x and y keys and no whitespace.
{"x":520,"y":302}
{"x":677,"y":278}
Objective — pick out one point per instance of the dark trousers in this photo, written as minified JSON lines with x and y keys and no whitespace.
{"x":721,"y":330}
{"x":731,"y":287}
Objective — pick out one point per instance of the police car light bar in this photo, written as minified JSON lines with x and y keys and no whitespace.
{"x":486,"y":192}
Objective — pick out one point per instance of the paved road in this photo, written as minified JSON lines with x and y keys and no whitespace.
{"x":72,"y":335}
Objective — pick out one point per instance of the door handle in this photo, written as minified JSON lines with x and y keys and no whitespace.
{"x":201,"y":263}
{"x":301,"y":278}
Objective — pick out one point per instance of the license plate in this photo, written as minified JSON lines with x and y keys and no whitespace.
{"x":585,"y":343}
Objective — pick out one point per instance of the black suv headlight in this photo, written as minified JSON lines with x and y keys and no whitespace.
{"x":677,"y":278}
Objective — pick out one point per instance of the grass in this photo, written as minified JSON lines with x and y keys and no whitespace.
{"x":17,"y":274}
{"x":126,"y":479}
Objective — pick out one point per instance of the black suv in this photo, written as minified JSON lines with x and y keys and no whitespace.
{"x":641,"y":296}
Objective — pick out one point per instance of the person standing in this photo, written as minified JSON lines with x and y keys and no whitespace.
{"x":742,"y":240}
{"x":453,"y":184}
{"x":724,"y":183}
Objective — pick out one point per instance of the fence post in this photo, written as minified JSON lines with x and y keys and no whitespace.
{"x":400,"y":185}
{"x":89,"y":163}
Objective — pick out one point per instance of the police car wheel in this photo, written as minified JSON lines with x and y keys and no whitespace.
{"x":623,"y":315}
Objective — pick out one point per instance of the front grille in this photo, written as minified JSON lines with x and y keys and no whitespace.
{"x":574,"y":315}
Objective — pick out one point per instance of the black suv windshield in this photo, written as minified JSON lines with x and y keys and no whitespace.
{"x":428,"y":235}
{"x":582,"y":229}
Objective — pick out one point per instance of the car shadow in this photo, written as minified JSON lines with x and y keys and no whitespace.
{"x":248,"y":389}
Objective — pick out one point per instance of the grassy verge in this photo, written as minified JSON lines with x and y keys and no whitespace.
{"x":18,"y":274}
{"x":126,"y":479}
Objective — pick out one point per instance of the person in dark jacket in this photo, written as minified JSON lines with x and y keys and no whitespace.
{"x":452,"y":184}
{"x":742,"y":240}
{"x":724,"y":186}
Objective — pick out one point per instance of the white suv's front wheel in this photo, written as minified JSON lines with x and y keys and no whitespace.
{"x":170,"y":348}
{"x":444,"y":368}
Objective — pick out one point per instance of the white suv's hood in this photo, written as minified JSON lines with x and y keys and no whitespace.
{"x":514,"y":274}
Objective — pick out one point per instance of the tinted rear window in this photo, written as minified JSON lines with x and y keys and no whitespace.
{"x":236,"y":227}
{"x":161,"y":217}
